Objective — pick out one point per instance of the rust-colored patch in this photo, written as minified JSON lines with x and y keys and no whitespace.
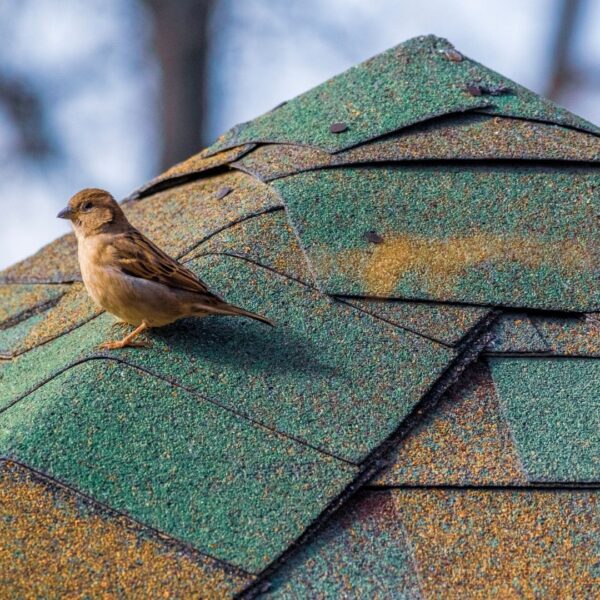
{"x":19,"y":301}
{"x":56,"y":544}
{"x":502,"y":544}
{"x":442,"y":262}
{"x":465,"y":440}
{"x":54,"y":263}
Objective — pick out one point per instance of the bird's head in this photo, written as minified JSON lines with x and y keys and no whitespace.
{"x":93,"y":211}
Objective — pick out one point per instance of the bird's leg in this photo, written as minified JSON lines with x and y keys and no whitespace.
{"x":127,"y":340}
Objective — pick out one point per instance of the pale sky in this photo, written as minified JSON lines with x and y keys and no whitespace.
{"x":90,"y":59}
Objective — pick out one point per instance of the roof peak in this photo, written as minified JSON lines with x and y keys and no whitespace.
{"x":420,"y":79}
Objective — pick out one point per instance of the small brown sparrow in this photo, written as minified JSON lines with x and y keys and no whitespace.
{"x":130,"y":277}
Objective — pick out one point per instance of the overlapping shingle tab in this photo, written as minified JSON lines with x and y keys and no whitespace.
{"x":480,"y":234}
{"x":411,"y":83}
{"x":420,"y":229}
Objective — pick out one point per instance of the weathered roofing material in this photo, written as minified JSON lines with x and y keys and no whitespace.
{"x":451,"y":543}
{"x":406,"y":260}
{"x":474,"y":234}
{"x":466,"y":137}
{"x":58,"y":543}
{"x":408,"y":84}
{"x":465,"y":441}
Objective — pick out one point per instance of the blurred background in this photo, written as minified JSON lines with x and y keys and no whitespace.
{"x":107,"y":93}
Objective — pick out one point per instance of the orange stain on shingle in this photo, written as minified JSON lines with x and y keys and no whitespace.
{"x":502,"y":544}
{"x":55,"y":545}
{"x":443,"y":262}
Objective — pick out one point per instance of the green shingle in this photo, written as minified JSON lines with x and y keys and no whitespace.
{"x":327,"y":374}
{"x":463,"y":137}
{"x":502,"y":235}
{"x":464,"y":440}
{"x":267,"y":239}
{"x":27,"y":371}
{"x":516,"y":333}
{"x":553,"y":408}
{"x":174,"y":461}
{"x":410,"y":83}
{"x":446,"y":323}
{"x":360,"y":554}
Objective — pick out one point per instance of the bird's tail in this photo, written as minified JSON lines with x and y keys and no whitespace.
{"x":223,"y":308}
{"x":242,"y":312}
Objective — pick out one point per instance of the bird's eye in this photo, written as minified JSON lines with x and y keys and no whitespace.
{"x":87,"y":206}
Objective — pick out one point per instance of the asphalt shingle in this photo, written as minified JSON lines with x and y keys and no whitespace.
{"x":174,"y":461}
{"x":58,"y":544}
{"x":492,"y":235}
{"x":451,"y":544}
{"x":408,"y":84}
{"x":571,"y":335}
{"x":18,"y":301}
{"x":504,"y":544}
{"x":446,"y":323}
{"x":516,"y":333}
{"x":360,"y":554}
{"x":553,"y":408}
{"x":463,"y":137}
{"x":464,"y":441}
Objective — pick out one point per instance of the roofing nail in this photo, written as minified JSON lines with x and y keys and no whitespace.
{"x":453,"y":55}
{"x":498,"y":90}
{"x":222,"y":192}
{"x":338,"y":127}
{"x":474,"y":89}
{"x":373,"y":237}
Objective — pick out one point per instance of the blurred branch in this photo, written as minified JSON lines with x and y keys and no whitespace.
{"x":562,"y":70}
{"x":26,"y":111}
{"x":181,"y":38}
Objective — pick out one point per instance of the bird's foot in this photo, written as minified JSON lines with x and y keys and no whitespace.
{"x":125,"y":344}
{"x":128,"y":340}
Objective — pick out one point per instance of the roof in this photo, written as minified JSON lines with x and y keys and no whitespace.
{"x":423,"y":421}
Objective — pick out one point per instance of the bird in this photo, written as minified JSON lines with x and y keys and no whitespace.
{"x":130,"y":277}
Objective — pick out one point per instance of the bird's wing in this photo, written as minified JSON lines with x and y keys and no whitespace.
{"x":135,"y":255}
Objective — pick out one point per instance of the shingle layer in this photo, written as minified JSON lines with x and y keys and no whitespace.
{"x":56,"y":543}
{"x":421,"y":232}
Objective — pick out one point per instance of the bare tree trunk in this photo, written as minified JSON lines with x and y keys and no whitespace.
{"x":561,"y":68}
{"x":181,"y":30}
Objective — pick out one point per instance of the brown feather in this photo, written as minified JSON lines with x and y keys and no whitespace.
{"x":135,"y":255}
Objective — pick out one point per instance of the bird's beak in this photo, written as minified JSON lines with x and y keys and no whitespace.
{"x":65,"y":213}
